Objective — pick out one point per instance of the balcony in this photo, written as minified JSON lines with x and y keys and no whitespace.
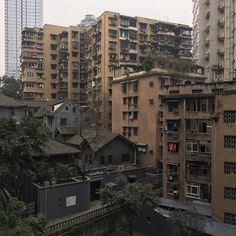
{"x":202,"y":179}
{"x":172,"y":136}
{"x":198,"y":156}
{"x":195,"y":134}
{"x":197,"y":114}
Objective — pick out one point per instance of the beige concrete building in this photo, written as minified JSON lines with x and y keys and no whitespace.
{"x":73,"y":60}
{"x":138,"y":111}
{"x":119,"y":43}
{"x":214,"y":37}
{"x":50,"y":66}
{"x":199,"y":146}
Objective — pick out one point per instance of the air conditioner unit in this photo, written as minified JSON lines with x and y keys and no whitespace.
{"x":131,"y":117}
{"x":171,"y":177}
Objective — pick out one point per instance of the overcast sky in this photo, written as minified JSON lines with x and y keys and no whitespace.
{"x":71,"y":12}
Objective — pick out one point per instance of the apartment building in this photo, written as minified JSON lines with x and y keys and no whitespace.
{"x":50,"y":66}
{"x":214,"y":38}
{"x":199,"y":146}
{"x":137,"y":109}
{"x":113,"y":46}
{"x":118,"y":44}
{"x":18,"y":15}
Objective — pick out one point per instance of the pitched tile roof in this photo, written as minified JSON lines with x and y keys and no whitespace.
{"x":6,"y":101}
{"x":53,"y":147}
{"x":96,"y":138}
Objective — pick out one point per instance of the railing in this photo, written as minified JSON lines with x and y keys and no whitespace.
{"x":51,"y":229}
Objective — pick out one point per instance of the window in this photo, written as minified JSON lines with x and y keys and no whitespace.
{"x":173,"y":147}
{"x":74,"y":85}
{"x":135,"y":115}
{"x":53,"y":47}
{"x":29,"y":85}
{"x":195,"y":91}
{"x":172,"y":168}
{"x":230,"y":168}
{"x":135,"y":131}
{"x":135,"y":86}
{"x":71,"y":201}
{"x":50,"y":120}
{"x":102,"y":160}
{"x":135,"y":101}
{"x":133,"y":46}
{"x":53,"y":86}
{"x":53,"y":76}
{"x":151,"y":84}
{"x":172,"y":125}
{"x":193,"y":190}
{"x":53,"y":56}
{"x":142,"y":27}
{"x":63,"y":121}
{"x":53,"y":36}
{"x":113,"y":33}
{"x":173,"y":107}
{"x":125,"y":157}
{"x":53,"y":95}
{"x":112,"y":45}
{"x":75,"y":75}
{"x":124,"y":87}
{"x":109,"y":160}
{"x":151,"y":101}
{"x":229,"y":116}
{"x":192,"y":145}
{"x":230,"y":193}
{"x":74,"y":54}
{"x":132,"y":22}
{"x":30,"y":74}
{"x":53,"y":66}
{"x":230,"y":142}
{"x":230,"y":218}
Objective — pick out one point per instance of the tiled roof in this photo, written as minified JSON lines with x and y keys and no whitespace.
{"x":53,"y":147}
{"x":47,"y":109}
{"x":96,"y":139}
{"x":6,"y":101}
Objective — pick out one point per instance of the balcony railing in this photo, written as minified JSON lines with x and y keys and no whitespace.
{"x":204,"y":179}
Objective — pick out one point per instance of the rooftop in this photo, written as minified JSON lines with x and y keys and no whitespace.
{"x":6,"y":101}
{"x":159,"y":71}
{"x":53,"y":148}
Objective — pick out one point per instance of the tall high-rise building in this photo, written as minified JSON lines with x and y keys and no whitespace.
{"x":18,"y":15}
{"x":214,"y":37}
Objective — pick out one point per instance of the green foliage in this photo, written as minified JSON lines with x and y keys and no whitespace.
{"x":130,"y":198}
{"x":148,"y":63}
{"x":174,"y":64}
{"x":11,"y":86}
{"x":17,"y":143}
{"x":187,"y":223}
{"x":20,"y":225}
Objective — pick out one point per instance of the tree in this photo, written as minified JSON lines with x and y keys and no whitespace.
{"x":20,"y":224}
{"x":187,"y":223}
{"x":11,"y":86}
{"x":17,"y":143}
{"x":148,"y":63}
{"x":130,"y":198}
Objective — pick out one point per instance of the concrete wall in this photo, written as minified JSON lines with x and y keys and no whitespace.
{"x":52,"y":200}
